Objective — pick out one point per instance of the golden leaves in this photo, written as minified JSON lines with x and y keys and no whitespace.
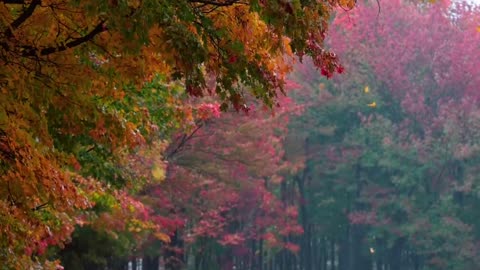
{"x":259,"y":43}
{"x":162,"y":237}
{"x":349,"y":4}
{"x":366,"y":90}
{"x":158,"y":173}
{"x":372,"y":105}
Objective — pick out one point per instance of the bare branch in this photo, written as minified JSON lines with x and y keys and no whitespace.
{"x":184,"y":139}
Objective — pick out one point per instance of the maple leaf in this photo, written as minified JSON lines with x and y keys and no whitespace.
{"x":158,"y":173}
{"x":163,"y":237}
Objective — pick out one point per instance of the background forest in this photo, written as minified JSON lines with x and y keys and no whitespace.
{"x":225,"y":134}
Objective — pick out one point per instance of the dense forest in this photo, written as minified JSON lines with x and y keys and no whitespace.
{"x":247,"y":135}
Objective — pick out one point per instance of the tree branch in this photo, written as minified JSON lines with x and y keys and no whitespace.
{"x":16,"y":2}
{"x":40,"y":207}
{"x":185,"y":138}
{"x":22,"y":18}
{"x":217,"y":3}
{"x":31,"y":51}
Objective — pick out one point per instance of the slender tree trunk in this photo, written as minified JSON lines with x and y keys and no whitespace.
{"x":332,"y":252}
{"x":174,"y":259}
{"x":314,"y":252}
{"x":343,"y":252}
{"x":352,"y":249}
{"x":416,"y":262}
{"x":260,"y":255}
{"x":198,"y":261}
{"x":150,"y":263}
{"x":253,"y":261}
{"x":395,"y":259}
{"x":305,"y":253}
{"x":134,"y":263}
{"x":325,"y":253}
{"x":306,"y":238}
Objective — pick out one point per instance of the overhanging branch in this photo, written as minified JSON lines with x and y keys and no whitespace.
{"x":217,"y":3}
{"x":15,"y":2}
{"x":31,"y":51}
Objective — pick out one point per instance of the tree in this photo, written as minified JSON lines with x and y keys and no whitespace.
{"x":80,"y":81}
{"x":393,"y":150}
{"x":76,"y":81}
{"x":219,"y":194}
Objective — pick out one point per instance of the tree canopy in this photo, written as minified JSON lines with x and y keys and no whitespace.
{"x":85,"y":83}
{"x":392,"y":158}
{"x":187,"y":133}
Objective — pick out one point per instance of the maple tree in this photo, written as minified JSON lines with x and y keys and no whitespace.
{"x":83,"y":82}
{"x":219,"y":200}
{"x":111,"y":135}
{"x":392,"y":161}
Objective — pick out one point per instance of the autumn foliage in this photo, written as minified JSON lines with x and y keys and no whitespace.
{"x":174,"y":131}
{"x":393,"y":152}
{"x":86,"y":85}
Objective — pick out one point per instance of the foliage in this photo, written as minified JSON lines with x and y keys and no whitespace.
{"x":85,"y":83}
{"x":395,"y":140}
{"x":219,"y":193}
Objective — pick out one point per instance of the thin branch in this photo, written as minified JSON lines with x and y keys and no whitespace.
{"x":90,"y":149}
{"x":218,"y":3}
{"x":182,"y":143}
{"x":40,"y":207}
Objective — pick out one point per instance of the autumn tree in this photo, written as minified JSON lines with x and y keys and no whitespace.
{"x":220,"y":198}
{"x":84,"y":81}
{"x":392,"y":155}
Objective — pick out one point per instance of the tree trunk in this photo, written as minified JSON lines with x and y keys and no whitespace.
{"x":134,"y":263}
{"x":325,"y":253}
{"x":150,"y":263}
{"x":260,"y":254}
{"x":395,"y":259}
{"x":333,"y":255}
{"x":305,"y":252}
{"x":173,"y":258}
{"x":314,"y":253}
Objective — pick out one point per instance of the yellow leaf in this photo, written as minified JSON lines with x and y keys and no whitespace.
{"x":366,"y":90}
{"x":372,"y":105}
{"x":158,"y":173}
{"x":162,"y":237}
{"x":347,"y":3}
